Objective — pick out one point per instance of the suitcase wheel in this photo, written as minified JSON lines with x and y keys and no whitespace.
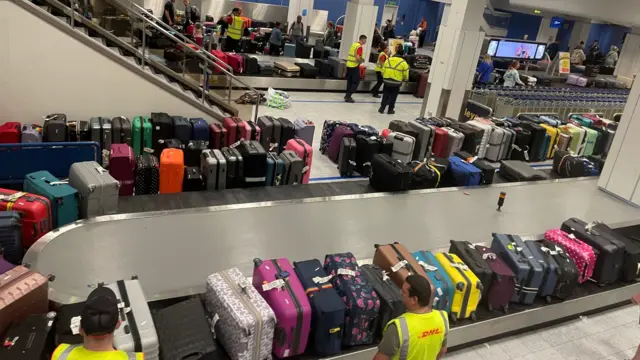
{"x":489,"y":307}
{"x":454,"y":318}
{"x":473,"y":316}
{"x":459,"y":286}
{"x":134,"y":277}
{"x":505,"y":308}
{"x":548,"y":299}
{"x":376,"y":246}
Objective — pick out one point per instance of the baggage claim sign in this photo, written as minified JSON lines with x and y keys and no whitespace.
{"x":475,"y":109}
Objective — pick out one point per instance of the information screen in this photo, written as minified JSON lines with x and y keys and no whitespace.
{"x":516,"y":50}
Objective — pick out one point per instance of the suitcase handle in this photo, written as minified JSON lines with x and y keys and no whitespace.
{"x":193,"y":355}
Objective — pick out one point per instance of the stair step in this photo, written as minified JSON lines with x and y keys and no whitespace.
{"x":82,"y":29}
{"x":45,"y":8}
{"x":115,"y":49}
{"x":99,"y":40}
{"x":64,"y":19}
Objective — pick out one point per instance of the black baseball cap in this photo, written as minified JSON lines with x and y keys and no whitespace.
{"x":100,"y":313}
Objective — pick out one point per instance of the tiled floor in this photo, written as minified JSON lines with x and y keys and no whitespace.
{"x":611,"y":335}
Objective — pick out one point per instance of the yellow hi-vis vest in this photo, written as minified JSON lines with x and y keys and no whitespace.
{"x":351,"y":60}
{"x":395,"y":71}
{"x":78,"y":352}
{"x":378,"y":64}
{"x":421,"y":335}
{"x":235,"y":28}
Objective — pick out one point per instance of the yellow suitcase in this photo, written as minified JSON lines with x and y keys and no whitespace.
{"x":555,"y":136}
{"x":468,"y":288}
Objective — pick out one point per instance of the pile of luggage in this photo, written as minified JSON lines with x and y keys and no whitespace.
{"x":289,"y":308}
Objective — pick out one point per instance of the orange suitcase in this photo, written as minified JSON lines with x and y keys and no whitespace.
{"x":22,"y":293}
{"x":171,"y":171}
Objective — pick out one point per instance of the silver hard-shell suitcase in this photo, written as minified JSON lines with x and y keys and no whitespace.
{"x":292,"y":168}
{"x":456,"y":139}
{"x":106,"y":133}
{"x":402,"y":146}
{"x":498,"y":141}
{"x":95,"y":128}
{"x":484,"y":144}
{"x":511,"y":138}
{"x":426,"y":134}
{"x":213,"y":166}
{"x":98,"y":191}
{"x":222,"y":169}
{"x":243,"y":321}
{"x":136,"y":321}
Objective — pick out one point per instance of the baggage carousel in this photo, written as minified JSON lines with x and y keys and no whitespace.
{"x":172,"y":251}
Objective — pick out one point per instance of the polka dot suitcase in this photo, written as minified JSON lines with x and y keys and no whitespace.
{"x":581,"y":253}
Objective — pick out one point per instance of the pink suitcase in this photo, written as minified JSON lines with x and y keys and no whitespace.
{"x":305,"y":152}
{"x":278,"y":284}
{"x":122,"y":165}
{"x":581,"y":253}
{"x":235,"y":61}
{"x":236,"y":129}
{"x":253,"y":131}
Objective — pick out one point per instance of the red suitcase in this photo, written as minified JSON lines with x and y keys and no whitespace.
{"x":503,"y":284}
{"x":363,"y":72}
{"x":440,"y":142}
{"x":252,"y":131}
{"x":35,"y":213}
{"x":235,"y":61}
{"x":10,"y":133}
{"x":305,"y":152}
{"x":217,"y":136}
{"x":236,"y":130}
{"x":22,"y":293}
{"x":122,"y":165}
{"x":223,"y":60}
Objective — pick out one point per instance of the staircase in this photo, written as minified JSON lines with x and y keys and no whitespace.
{"x":135,"y":56}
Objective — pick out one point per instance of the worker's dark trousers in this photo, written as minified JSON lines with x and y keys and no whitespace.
{"x":232,"y":45}
{"x":353,"y":79}
{"x":376,"y":88}
{"x":389,"y":97}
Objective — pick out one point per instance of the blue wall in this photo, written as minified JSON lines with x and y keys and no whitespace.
{"x":523,"y":24}
{"x":564,"y":34}
{"x":607,"y":35}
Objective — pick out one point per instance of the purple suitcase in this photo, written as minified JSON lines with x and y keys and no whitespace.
{"x":503,"y":284}
{"x":336,"y":141}
{"x":278,"y":284}
{"x":5,"y":265}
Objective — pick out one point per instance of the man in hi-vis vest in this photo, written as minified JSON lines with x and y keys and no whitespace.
{"x":394,"y":71}
{"x":235,"y":30}
{"x":421,"y":332}
{"x":353,"y":67}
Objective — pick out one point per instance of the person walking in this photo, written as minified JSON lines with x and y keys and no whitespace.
{"x":394,"y":72}
{"x":384,"y":53}
{"x":421,"y":332}
{"x":99,"y":320}
{"x":191,"y":16}
{"x":354,"y":60}
{"x":275,"y":40}
{"x":512,"y":77}
{"x":235,"y":29}
{"x":297,"y":30}
{"x":484,"y":70}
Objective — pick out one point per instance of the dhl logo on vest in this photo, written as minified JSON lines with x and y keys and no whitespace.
{"x":425,"y":334}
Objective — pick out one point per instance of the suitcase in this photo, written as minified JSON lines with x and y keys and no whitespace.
{"x":388,"y":174}
{"x":498,"y":140}
{"x":582,"y":254}
{"x":366,"y":147}
{"x":290,"y":50}
{"x":467,"y":252}
{"x":141,"y":134}
{"x":521,"y":145}
{"x":183,"y":330}
{"x":468,"y":288}
{"x":578,"y":135}
{"x":549,"y":270}
{"x":193,"y":180}
{"x":529,"y":273}
{"x":347,"y":157}
{"x":472,"y":138}
{"x":424,"y":175}
{"x":193,"y":150}
{"x":304,"y":152}
{"x":463,"y":173}
{"x":567,"y":275}
{"x":324,"y":67}
{"x":553,"y":133}
{"x":217,"y":136}
{"x":550,"y":120}
{"x":213,"y":167}
{"x":361,"y":300}
{"x":170,"y":144}
{"x":397,"y":261}
{"x":11,"y":246}
{"x":107,"y":135}
{"x":275,"y":169}
{"x":338,"y":67}
{"x":5,"y":265}
{"x":630,"y":265}
{"x":122,"y":165}
{"x":182,"y":129}
{"x":421,"y":85}
{"x":235,"y":167}
{"x":31,"y":134}
{"x":31,"y":339}
{"x":66,"y":327}
{"x":327,"y":308}
{"x":244,"y":322}
{"x":278,"y":284}
{"x":136,"y":332}
{"x":328,"y":129}
{"x":609,"y":250}
{"x":162,"y":128}
{"x":366,"y":130}
{"x":514,"y":170}
{"x":307,"y":70}
{"x":336,"y":141}
{"x":286,"y":68}
{"x":122,"y":130}
{"x":454,"y":143}
{"x":486,"y":169}
{"x":171,"y":171}
{"x":199,"y":129}
{"x":403,"y":146}
{"x":250,"y":65}
{"x":503,"y":281}
{"x":147,"y":175}
{"x":486,"y":135}
{"x":222,"y":60}
{"x":564,"y":140}
{"x":293,"y":166}
{"x":271,"y":132}
{"x":97,"y":190}
{"x":24,"y":293}
{"x":304,"y":129}
{"x":391,"y":305}
{"x":443,"y":297}
{"x":63,"y":197}
{"x":235,"y":130}
{"x":236,"y":62}
{"x":11,"y":133}
{"x":591,"y":137}
{"x":55,"y":128}
{"x":254,"y":160}
{"x":426,"y":135}
{"x":287,"y":132}
{"x":35,"y":212}
{"x":569,"y":166}
{"x":303,"y":50}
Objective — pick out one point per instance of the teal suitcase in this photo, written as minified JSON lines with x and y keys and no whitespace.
{"x":275,"y":169}
{"x":586,"y":122}
{"x":63,"y":198}
{"x":443,"y":298}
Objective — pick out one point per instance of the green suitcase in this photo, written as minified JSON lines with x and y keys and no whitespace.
{"x":576,"y":146}
{"x":141,"y":134}
{"x":590,"y":143}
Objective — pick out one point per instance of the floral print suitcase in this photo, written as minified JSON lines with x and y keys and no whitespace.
{"x":363,"y":304}
{"x":327,"y":133}
{"x":581,"y":253}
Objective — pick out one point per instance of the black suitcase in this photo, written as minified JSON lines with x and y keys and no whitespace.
{"x":347,"y":157}
{"x":472,"y":138}
{"x":72,"y":131}
{"x":82,"y":130}
{"x":287,"y":132}
{"x":543,"y":80}
{"x":403,"y":127}
{"x":422,"y":62}
{"x":168,"y":144}
{"x":424,"y":175}
{"x":184,"y":332}
{"x":568,"y":274}
{"x":366,"y":147}
{"x":607,"y":70}
{"x":320,"y":53}
{"x":303,"y":50}
{"x":31,"y":339}
{"x":162,"y":129}
{"x":307,"y":70}
{"x":192,"y":180}
{"x":250,"y":64}
{"x":270,"y":133}
{"x":182,"y":129}
{"x":147,"y":175}
{"x":386,"y":146}
{"x":324,"y":68}
{"x":488,"y":171}
{"x":248,"y":46}
{"x":521,"y":145}
{"x":121,"y":130}
{"x":538,"y":134}
{"x":391,"y":305}
{"x":468,"y":253}
{"x":193,"y":150}
{"x":54,"y":128}
{"x":254,"y":159}
{"x":610,"y":251}
{"x":515,"y":170}
{"x":389,"y":174}
{"x":567,"y":165}
{"x":235,"y":167}
{"x":63,"y":331}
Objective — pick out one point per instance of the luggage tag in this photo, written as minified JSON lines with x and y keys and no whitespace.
{"x":489,"y":256}
{"x":346,"y":272}
{"x":321,"y":280}
{"x":275,"y":284}
{"x":460,"y":266}
{"x":74,"y":325}
{"x":427,"y":267}
{"x":399,"y":265}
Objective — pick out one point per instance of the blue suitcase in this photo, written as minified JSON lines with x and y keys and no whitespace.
{"x":64,"y":204}
{"x":529,"y":273}
{"x":463,"y":173}
{"x":551,"y":120}
{"x":328,"y":309}
{"x":275,"y":169}
{"x":199,"y":129}
{"x":290,"y":50}
{"x":443,"y":297}
{"x":549,"y":267}
{"x":11,"y":237}
{"x":366,"y":130}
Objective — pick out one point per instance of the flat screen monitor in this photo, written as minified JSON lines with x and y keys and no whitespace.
{"x":510,"y":49}
{"x":556,"y":22}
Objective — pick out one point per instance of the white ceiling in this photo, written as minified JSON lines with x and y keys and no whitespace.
{"x":621,"y":12}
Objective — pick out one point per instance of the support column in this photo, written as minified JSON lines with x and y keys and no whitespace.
{"x":298,"y":7}
{"x":455,"y":59}
{"x":546,"y":34}
{"x":629,"y":61}
{"x":445,"y":14}
{"x":360,"y":19}
{"x":579,"y":33}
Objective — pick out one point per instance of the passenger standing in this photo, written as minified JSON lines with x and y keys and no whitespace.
{"x":423,"y":33}
{"x":512,"y":77}
{"x":354,"y":60}
{"x":612,"y":57}
{"x":99,"y":320}
{"x":329,"y":35}
{"x":577,"y":55}
{"x":484,"y":70}
{"x":421,"y":332}
{"x":389,"y":31}
{"x":191,"y":15}
{"x":169,"y":14}
{"x":234,"y":32}
{"x":297,"y":30}
{"x":384,"y":53}
{"x":394,"y":72}
{"x":275,"y":40}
